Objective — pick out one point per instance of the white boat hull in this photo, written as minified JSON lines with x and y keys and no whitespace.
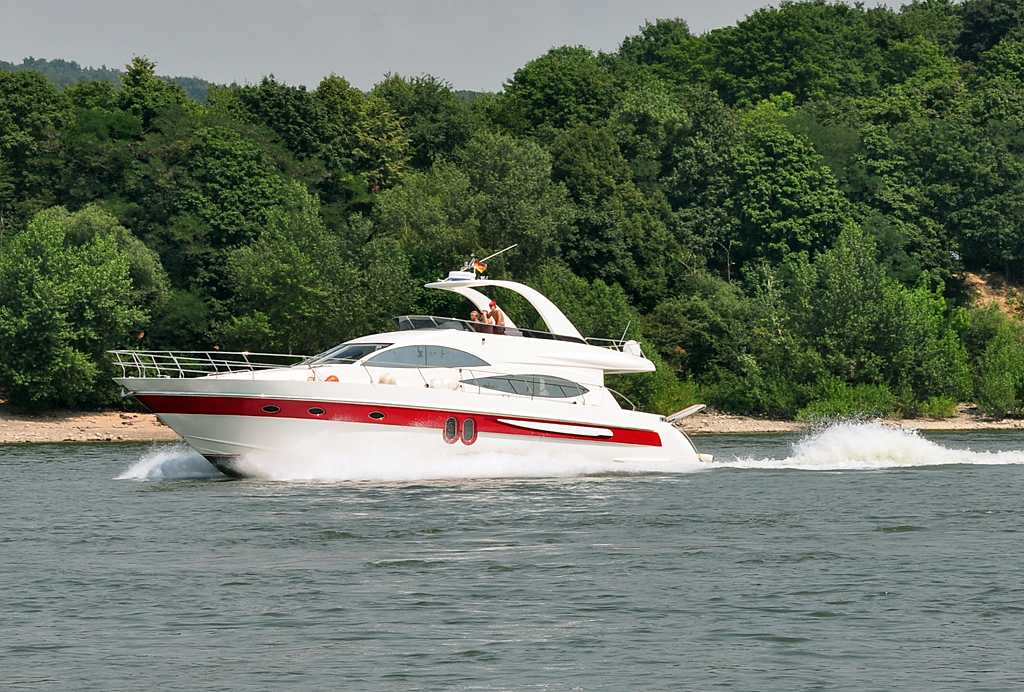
{"x":266,"y":428}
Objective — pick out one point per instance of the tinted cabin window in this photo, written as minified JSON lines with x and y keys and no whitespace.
{"x":404,"y":357}
{"x":426,"y":357}
{"x":346,"y":353}
{"x":542,"y":386}
{"x":443,"y":357}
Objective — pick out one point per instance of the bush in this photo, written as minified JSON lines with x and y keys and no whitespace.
{"x":937,"y":407}
{"x":999,"y":374}
{"x":841,"y":400}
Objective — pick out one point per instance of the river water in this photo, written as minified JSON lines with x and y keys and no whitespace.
{"x":858,"y":558}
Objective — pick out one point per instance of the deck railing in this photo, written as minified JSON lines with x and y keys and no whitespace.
{"x":625,"y":345}
{"x":410,"y":322}
{"x":182,"y":364}
{"x":197,"y":363}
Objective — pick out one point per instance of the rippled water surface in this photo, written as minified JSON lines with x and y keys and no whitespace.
{"x":856,"y":559}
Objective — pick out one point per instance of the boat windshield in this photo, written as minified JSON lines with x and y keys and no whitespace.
{"x":345,"y":353}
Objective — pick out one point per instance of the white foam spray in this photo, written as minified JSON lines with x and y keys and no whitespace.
{"x":851,"y":446}
{"x":324,"y":460}
{"x":174,"y":462}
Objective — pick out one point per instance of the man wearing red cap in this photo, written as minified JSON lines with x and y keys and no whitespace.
{"x":497,"y":317}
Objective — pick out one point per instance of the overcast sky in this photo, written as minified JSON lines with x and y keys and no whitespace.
{"x":472,"y":44}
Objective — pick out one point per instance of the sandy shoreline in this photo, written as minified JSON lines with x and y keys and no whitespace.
{"x":967,"y":418}
{"x":78,"y":426}
{"x":117,"y":426}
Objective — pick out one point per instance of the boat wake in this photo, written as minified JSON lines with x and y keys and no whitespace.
{"x":868,"y":446}
{"x":325,"y":463}
{"x":175,"y":462}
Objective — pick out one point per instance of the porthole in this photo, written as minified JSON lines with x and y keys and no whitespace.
{"x":469,"y":431}
{"x":376,"y":415}
{"x":451,"y":430}
{"x":271,"y":409}
{"x":316,"y":411}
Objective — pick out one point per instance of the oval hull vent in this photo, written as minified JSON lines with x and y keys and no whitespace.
{"x":451,"y":430}
{"x":316,"y":411}
{"x":271,"y":409}
{"x":469,"y":431}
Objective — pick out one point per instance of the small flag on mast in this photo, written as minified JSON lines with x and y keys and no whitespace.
{"x":481,"y":268}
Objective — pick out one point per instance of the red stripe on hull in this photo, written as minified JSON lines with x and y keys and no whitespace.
{"x":360,"y":413}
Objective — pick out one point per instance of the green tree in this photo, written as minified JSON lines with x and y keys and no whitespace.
{"x":517,"y":202}
{"x":365,"y":131}
{"x":432,"y":216}
{"x":295,"y":290}
{"x":146,"y":96}
{"x":66,"y":296}
{"x":784,"y":199}
{"x":938,"y":21}
{"x":647,"y":123}
{"x":294,"y":114}
{"x":618,"y":234}
{"x":842,"y":320}
{"x":705,"y":330}
{"x":564,"y":88}
{"x":197,"y":188}
{"x":92,"y":157}
{"x":654,"y":40}
{"x":810,"y":49}
{"x":31,"y":114}
{"x":998,"y":380}
{"x":7,"y":207}
{"x":986,"y":22}
{"x":92,"y":95}
{"x":436,"y":121}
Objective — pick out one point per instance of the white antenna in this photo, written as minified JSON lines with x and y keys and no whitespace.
{"x":499,"y":252}
{"x":625,"y":331}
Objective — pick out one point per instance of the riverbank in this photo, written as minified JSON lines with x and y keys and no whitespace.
{"x":118,"y":426}
{"x":967,"y":418}
{"x":77,"y":426}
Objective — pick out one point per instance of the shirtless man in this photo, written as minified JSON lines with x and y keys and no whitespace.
{"x":497,"y":317}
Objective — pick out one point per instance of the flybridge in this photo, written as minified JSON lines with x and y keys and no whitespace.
{"x":556,"y":322}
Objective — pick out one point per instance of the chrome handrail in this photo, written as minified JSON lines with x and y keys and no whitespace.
{"x":612,"y":344}
{"x":616,"y":393}
{"x":179,"y":364}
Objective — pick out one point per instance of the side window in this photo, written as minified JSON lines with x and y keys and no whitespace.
{"x":541,"y":386}
{"x":444,"y":357}
{"x":404,"y":357}
{"x":426,"y":357}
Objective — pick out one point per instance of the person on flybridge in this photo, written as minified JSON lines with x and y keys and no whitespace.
{"x":496,"y":317}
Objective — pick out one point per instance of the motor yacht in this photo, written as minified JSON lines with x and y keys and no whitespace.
{"x":446,"y":385}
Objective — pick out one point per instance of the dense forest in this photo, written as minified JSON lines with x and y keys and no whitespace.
{"x":784,"y":212}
